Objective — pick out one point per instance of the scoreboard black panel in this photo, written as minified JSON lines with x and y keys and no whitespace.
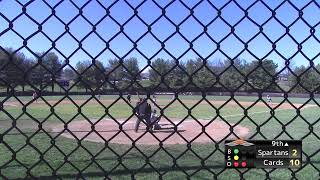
{"x":263,"y":153}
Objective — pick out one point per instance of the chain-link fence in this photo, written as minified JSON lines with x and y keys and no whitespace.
{"x":233,"y":69}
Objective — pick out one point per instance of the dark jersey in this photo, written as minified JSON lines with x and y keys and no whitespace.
{"x":142,"y":108}
{"x":148,"y":110}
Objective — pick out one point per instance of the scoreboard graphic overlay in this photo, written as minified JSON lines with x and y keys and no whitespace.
{"x":263,"y":153}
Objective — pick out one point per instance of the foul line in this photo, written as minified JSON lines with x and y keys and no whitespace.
{"x":259,"y":112}
{"x":235,"y":115}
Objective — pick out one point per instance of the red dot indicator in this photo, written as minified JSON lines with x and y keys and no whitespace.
{"x":235,"y":164}
{"x":244,"y":164}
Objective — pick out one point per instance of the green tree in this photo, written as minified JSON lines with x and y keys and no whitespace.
{"x":91,"y":76}
{"x":260,"y":78}
{"x":234,"y":75}
{"x":161,"y":67}
{"x":47,"y":68}
{"x":84,"y":81}
{"x":132,"y":69}
{"x":53,"y":64}
{"x":201,"y":74}
{"x":99,"y":73}
{"x":69,"y":74}
{"x":12,"y":65}
{"x":306,"y":79}
{"x":131,"y":73}
{"x":115,"y":71}
{"x":27,"y":65}
{"x":177,"y":75}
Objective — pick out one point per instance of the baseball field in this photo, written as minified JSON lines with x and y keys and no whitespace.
{"x":34,"y":136}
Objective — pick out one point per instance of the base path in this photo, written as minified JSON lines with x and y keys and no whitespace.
{"x":187,"y":131}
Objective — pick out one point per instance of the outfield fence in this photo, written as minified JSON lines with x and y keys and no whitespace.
{"x":244,"y":83}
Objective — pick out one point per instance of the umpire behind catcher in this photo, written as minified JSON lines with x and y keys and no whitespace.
{"x":143,"y":111}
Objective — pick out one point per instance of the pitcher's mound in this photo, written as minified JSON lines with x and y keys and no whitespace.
{"x":188,"y":130}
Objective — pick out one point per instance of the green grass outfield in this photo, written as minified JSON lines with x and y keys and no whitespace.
{"x":120,"y":161}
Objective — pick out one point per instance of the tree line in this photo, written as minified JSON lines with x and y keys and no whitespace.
{"x":227,"y":75}
{"x":18,"y":70}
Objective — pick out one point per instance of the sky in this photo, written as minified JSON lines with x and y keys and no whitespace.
{"x":176,"y":46}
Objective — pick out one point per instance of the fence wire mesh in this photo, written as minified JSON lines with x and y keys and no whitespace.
{"x":45,"y":81}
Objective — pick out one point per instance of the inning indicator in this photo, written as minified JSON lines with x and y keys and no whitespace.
{"x":263,"y":154}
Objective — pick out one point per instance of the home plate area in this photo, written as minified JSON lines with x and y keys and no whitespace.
{"x":186,"y":131}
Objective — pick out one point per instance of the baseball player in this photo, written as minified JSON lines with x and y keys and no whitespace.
{"x":35,"y":96}
{"x":155,"y":120}
{"x":129,"y":97}
{"x":143,"y":111}
{"x":269,"y":100}
{"x":154,"y":98}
